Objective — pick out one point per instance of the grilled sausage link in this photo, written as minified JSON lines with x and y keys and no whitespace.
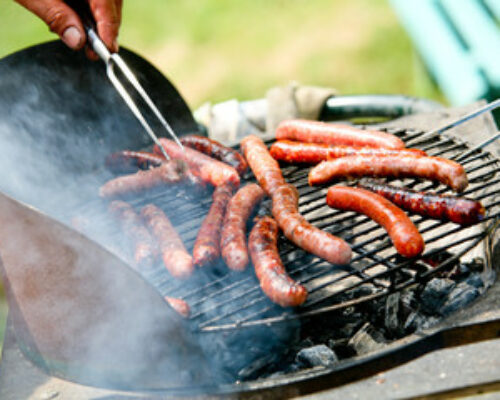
{"x":313,"y":153}
{"x":295,"y":227}
{"x":302,"y":233}
{"x":179,"y":305}
{"x":265,"y":168}
{"x":233,"y":237}
{"x":274,"y":281}
{"x":403,"y":233}
{"x":207,"y":245}
{"x":214,"y":149}
{"x":460,"y":210}
{"x":434,"y":168}
{"x":145,"y":251}
{"x":335,"y":134}
{"x":208,"y":169}
{"x":127,"y":161}
{"x":175,"y":257}
{"x":169,"y":172}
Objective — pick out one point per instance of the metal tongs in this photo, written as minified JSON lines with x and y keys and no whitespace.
{"x":436,"y":132}
{"x":113,"y":60}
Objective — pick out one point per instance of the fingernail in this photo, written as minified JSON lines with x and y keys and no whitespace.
{"x":115,"y":44}
{"x":72,"y":37}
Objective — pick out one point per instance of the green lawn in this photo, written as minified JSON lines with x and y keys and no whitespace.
{"x":214,"y":50}
{"x":218,"y":49}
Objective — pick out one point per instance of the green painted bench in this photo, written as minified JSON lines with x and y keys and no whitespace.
{"x":459,"y":42}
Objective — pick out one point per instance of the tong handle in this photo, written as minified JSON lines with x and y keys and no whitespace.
{"x":82,"y":8}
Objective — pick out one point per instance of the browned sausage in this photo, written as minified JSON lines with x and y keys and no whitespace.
{"x":233,"y":237}
{"x":265,"y":168}
{"x":208,"y":169}
{"x":207,"y":245}
{"x":335,"y":134}
{"x":302,"y":233}
{"x":274,"y":281}
{"x":214,"y":149}
{"x":175,"y":257}
{"x":460,"y":210}
{"x":403,"y":233}
{"x":296,"y":228}
{"x":169,"y":172}
{"x":313,"y":153}
{"x":434,"y":168}
{"x":145,"y":251}
{"x":127,"y":161}
{"x":179,"y":305}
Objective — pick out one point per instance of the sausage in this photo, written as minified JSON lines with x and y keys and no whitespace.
{"x":403,"y":233}
{"x":233,"y":237}
{"x":335,"y":134}
{"x":214,"y":149}
{"x":274,"y":281}
{"x":209,"y":170}
{"x":175,"y":257}
{"x":179,"y":305}
{"x":285,"y":206}
{"x":145,"y":251}
{"x":296,"y":228}
{"x":313,"y":153}
{"x":461,"y":210}
{"x":169,"y":172}
{"x":127,"y":161}
{"x":265,"y":168}
{"x":434,"y":168}
{"x":207,"y":245}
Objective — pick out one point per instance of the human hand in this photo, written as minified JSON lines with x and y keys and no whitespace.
{"x":63,"y":21}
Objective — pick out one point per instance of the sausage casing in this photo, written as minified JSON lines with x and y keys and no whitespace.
{"x":274,"y":281}
{"x":179,"y":305}
{"x":208,"y":169}
{"x":233,"y":237}
{"x":207,"y":245}
{"x":169,"y":172}
{"x":214,"y":149}
{"x":434,"y":168}
{"x":127,"y":161}
{"x":145,"y":251}
{"x":403,"y":233}
{"x":335,"y":134}
{"x":297,"y":229}
{"x":265,"y":168}
{"x":175,"y":257}
{"x":460,"y":210}
{"x":313,"y":153}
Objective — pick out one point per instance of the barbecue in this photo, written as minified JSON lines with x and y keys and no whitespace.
{"x":227,"y":308}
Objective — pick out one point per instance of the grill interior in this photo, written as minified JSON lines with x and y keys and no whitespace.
{"x":221,"y":299}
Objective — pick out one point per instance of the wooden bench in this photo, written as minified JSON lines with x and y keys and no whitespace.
{"x":459,"y":42}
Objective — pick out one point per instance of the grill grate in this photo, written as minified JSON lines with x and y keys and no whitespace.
{"x":221,"y":299}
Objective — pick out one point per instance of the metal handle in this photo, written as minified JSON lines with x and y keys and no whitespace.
{"x":436,"y":132}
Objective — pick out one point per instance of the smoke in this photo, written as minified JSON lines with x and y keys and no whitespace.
{"x":92,"y":318}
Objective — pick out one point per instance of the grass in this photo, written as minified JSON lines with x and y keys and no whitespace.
{"x":214,"y":50}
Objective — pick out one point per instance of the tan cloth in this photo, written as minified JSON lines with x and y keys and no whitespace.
{"x":294,"y":101}
{"x":231,"y":120}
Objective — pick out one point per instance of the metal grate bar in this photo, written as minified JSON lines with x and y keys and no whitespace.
{"x":223,"y":299}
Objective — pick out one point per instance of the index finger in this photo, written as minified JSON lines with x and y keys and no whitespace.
{"x":107,"y":14}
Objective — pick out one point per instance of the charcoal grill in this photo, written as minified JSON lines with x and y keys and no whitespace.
{"x":376,"y":270}
{"x":375,"y":266}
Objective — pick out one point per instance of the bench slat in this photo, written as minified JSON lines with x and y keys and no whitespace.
{"x":480,"y":32}
{"x":453,"y":68}
{"x":494,"y":6}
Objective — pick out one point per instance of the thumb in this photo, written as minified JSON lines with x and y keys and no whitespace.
{"x":61,"y":20}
